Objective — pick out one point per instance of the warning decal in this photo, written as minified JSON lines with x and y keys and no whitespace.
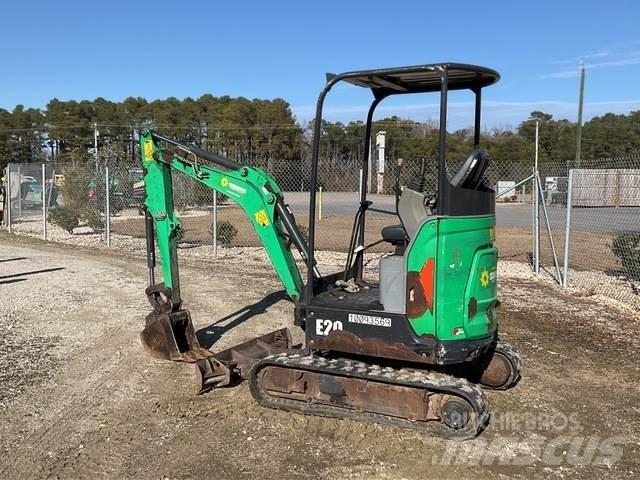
{"x":148,"y":150}
{"x":262,"y":218}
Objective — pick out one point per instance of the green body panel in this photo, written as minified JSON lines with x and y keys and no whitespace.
{"x":481,"y":289}
{"x":245,"y":186}
{"x":464,"y":278}
{"x":424,"y":247}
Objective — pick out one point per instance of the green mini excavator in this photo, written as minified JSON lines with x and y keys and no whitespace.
{"x":412,"y":349}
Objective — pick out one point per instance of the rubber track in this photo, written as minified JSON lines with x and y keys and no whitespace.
{"x":430,"y":381}
{"x":516,"y":363}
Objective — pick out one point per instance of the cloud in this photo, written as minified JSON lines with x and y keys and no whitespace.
{"x":592,"y":66}
{"x":562,"y":74}
{"x":582,"y":58}
{"x":614,"y":59}
{"x":617,"y":63}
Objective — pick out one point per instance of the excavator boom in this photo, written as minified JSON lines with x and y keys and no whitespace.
{"x":169,"y":332}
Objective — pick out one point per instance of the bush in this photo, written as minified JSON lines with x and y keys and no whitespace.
{"x":94,"y":220}
{"x":225,"y":232}
{"x":76,"y":196}
{"x":76,"y":191}
{"x":84,"y":198}
{"x":64,"y":217}
{"x":99,"y":198}
{"x":626,"y":247}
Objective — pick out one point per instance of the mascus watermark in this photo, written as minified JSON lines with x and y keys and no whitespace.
{"x":552,"y":438}
{"x":512,"y":450}
{"x":541,"y":421}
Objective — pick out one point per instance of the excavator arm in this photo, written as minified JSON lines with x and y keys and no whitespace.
{"x":169,"y":332}
{"x":251,"y":188}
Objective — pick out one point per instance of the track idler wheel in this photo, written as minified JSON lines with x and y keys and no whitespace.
{"x":502,"y":368}
{"x":455,"y":414}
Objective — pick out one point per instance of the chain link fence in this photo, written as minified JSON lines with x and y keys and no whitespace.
{"x":604,"y":233}
{"x":67,"y":202}
{"x":29,"y":191}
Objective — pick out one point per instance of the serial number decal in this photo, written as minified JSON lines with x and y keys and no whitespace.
{"x":369,"y":320}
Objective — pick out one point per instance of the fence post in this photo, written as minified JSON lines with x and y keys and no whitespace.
{"x":536,"y":208}
{"x":19,"y":192}
{"x":52,"y":183}
{"x":107,"y":208}
{"x":8,"y":195}
{"x":44,"y":203}
{"x":567,"y":233}
{"x":536,"y":223}
{"x":548,"y":224}
{"x":214,"y":224}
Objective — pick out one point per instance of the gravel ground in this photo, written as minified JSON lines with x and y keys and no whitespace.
{"x":27,"y":358}
{"x":81,"y":399}
{"x":586,"y":282}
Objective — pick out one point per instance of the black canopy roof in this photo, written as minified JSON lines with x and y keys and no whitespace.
{"x":419,"y":78}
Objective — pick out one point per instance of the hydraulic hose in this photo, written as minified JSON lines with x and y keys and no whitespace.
{"x":199,"y":152}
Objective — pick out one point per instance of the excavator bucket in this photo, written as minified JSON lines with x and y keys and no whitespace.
{"x":170,"y":336}
{"x":236,"y":362}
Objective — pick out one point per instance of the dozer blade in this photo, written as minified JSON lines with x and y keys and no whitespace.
{"x":220,"y":369}
{"x":170,"y":336}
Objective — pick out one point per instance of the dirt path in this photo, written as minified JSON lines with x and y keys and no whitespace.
{"x":80,"y":399}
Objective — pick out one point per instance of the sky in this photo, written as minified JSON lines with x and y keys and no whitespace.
{"x":83,"y":50}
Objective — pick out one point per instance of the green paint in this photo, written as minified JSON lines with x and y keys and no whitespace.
{"x":424,"y":246}
{"x":244,"y":186}
{"x":463,"y":249}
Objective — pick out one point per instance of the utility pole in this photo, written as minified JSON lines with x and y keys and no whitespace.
{"x":579,"y":129}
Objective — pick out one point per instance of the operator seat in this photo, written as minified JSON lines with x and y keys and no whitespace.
{"x":396,"y":236}
{"x":412,"y":205}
